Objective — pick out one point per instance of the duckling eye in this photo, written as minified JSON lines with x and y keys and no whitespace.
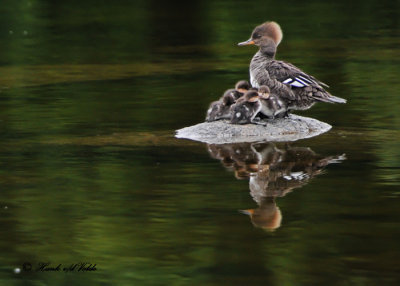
{"x":256,"y":36}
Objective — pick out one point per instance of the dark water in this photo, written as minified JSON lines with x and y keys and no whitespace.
{"x":91,"y":93}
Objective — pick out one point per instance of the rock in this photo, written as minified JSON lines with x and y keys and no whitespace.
{"x":293,"y":128}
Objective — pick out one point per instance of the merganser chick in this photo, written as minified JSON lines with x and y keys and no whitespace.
{"x":241,"y":87}
{"x":246,"y":108}
{"x":214,"y":111}
{"x":291,"y":84}
{"x":220,"y":109}
{"x":271,"y":105}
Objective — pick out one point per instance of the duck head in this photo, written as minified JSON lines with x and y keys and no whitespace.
{"x":251,"y":96}
{"x":267,"y":36}
{"x":267,"y":216}
{"x":229,"y":97}
{"x":263,"y":92}
{"x":242,"y":86}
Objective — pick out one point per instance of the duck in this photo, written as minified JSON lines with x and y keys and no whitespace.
{"x":297,"y":88}
{"x":241,"y":87}
{"x":271,"y":105}
{"x":213,"y":112}
{"x":246,"y":108}
{"x":220,"y":109}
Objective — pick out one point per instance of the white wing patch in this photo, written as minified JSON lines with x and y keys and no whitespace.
{"x":306,"y":79}
{"x":296,"y":84}
{"x":296,"y":176}
{"x":299,"y":81}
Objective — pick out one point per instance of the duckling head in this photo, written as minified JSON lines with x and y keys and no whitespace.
{"x":242,"y":86}
{"x":263,"y":92}
{"x":229,"y":97}
{"x":251,"y":96}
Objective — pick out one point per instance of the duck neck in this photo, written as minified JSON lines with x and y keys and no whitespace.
{"x":268,"y":51}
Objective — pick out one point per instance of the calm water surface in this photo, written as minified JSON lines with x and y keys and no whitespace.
{"x":91,"y":93}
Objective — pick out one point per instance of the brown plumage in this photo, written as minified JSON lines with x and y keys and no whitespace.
{"x":297,"y":88}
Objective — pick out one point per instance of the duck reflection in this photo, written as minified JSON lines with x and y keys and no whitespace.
{"x":272,"y":172}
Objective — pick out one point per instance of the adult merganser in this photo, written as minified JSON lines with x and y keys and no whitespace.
{"x":297,"y":88}
{"x":271,"y":105}
{"x":246,"y":108}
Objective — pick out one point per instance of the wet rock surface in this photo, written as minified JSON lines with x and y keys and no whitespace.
{"x":293,"y":128}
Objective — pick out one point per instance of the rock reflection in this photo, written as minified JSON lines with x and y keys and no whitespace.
{"x":272,"y":172}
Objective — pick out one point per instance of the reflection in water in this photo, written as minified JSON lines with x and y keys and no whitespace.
{"x":272,"y":172}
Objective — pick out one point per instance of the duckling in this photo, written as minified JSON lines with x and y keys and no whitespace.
{"x":241,"y":87}
{"x":246,"y":108}
{"x":220,"y":109}
{"x":272,"y":105}
{"x":213,"y":111}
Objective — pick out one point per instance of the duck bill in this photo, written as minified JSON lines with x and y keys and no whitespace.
{"x":246,"y":43}
{"x":247,"y":212}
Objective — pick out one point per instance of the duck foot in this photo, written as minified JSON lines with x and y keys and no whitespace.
{"x":258,"y":121}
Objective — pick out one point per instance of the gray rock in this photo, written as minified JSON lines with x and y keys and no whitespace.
{"x":293,"y":128}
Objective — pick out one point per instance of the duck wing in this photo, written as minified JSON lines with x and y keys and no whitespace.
{"x":303,"y":85}
{"x":292,"y":75}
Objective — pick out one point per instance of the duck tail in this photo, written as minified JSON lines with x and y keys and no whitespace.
{"x":336,"y":99}
{"x":331,"y":99}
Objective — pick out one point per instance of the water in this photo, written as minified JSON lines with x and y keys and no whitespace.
{"x":91,"y":93}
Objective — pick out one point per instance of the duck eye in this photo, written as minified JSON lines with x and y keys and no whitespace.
{"x":256,"y":36}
